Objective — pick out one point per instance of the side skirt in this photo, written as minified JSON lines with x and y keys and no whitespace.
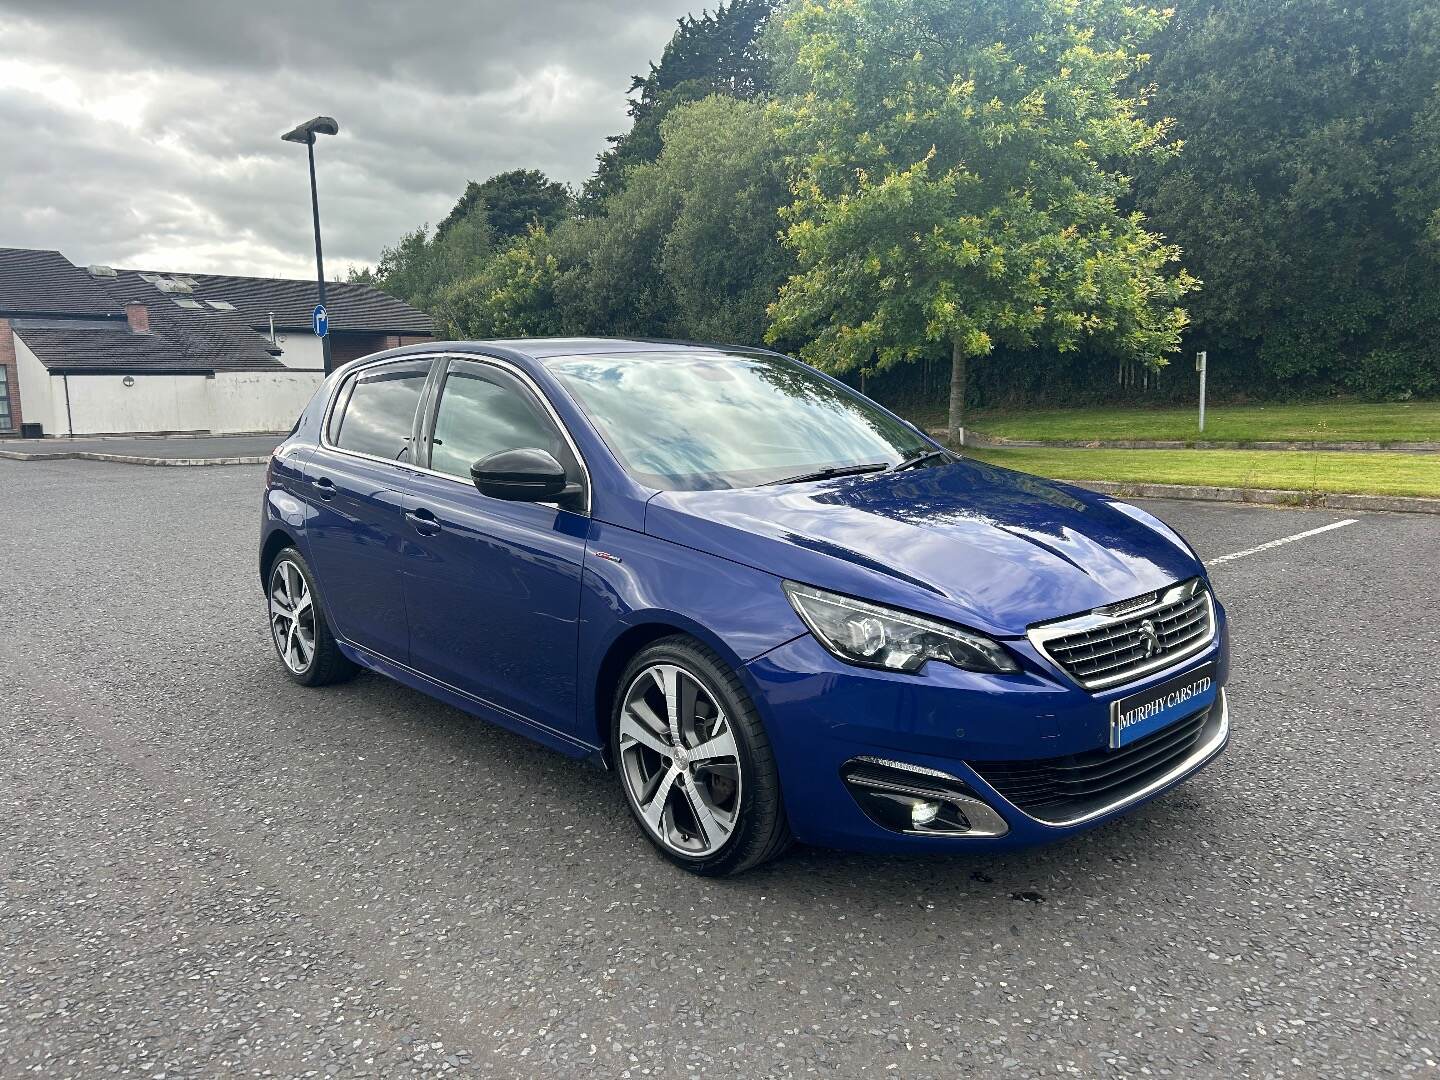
{"x":485,"y":710}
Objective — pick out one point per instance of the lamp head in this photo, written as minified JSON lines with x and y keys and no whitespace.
{"x":306,"y":132}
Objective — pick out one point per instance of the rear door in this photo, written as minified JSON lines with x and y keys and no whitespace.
{"x":354,"y":482}
{"x":493,"y":587}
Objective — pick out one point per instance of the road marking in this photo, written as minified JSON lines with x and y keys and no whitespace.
{"x":1282,"y":540}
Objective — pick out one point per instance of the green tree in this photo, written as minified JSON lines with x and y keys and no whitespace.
{"x":722,"y":257}
{"x":512,"y":295}
{"x":688,"y":248}
{"x":960,"y":172}
{"x":510,"y":203}
{"x":420,"y":267}
{"x":712,"y":54}
{"x":1307,"y":193}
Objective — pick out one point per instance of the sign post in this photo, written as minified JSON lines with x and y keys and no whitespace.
{"x":320,"y":321}
{"x":1201,"y":363}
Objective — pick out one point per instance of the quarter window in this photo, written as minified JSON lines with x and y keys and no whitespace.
{"x":376,"y":412}
{"x":484,"y":411}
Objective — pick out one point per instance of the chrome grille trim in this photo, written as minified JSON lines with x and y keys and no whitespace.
{"x":1100,"y":649}
{"x":1126,"y":607}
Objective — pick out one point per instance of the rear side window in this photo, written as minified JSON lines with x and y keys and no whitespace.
{"x":376,"y":412}
{"x":484,"y":411}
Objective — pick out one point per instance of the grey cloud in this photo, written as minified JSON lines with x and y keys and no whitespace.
{"x":172,"y":156}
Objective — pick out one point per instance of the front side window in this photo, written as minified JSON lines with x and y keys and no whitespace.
{"x":376,"y":412}
{"x":483,"y":411}
{"x":688,"y":421}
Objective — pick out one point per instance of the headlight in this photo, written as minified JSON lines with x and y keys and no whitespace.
{"x":874,"y":636}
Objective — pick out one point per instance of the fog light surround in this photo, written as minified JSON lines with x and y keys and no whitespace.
{"x":917,"y":801}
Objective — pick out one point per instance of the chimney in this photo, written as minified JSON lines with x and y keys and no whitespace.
{"x":138,"y":316}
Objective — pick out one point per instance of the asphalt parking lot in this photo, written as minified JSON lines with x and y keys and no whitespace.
{"x":209,"y":871}
{"x":146,"y":446}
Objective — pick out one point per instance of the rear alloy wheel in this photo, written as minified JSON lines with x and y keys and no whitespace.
{"x":694,"y":761}
{"x":298,"y":628}
{"x":292,"y":617}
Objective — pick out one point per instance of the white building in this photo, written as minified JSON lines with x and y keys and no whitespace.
{"x":106,"y":351}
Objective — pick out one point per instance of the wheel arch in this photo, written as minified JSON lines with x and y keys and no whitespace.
{"x":277,"y":541}
{"x":626,"y":645}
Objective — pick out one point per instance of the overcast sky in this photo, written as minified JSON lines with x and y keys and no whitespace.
{"x":146,"y":133}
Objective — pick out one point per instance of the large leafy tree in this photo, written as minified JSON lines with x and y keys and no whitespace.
{"x":512,"y":295}
{"x":423,"y":266}
{"x":689,"y":247}
{"x":721,"y":256}
{"x":1307,"y":194}
{"x":960,"y":173}
{"x":713,"y":54}
{"x":510,"y":203}
{"x":420,"y":266}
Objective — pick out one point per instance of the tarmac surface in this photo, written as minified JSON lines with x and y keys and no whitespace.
{"x":207,"y":870}
{"x":156,"y":446}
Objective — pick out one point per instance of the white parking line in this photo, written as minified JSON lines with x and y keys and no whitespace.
{"x":1282,"y":540}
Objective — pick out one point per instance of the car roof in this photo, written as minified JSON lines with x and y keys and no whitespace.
{"x":546,"y":348}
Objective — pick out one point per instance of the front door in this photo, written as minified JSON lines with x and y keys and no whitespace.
{"x":355,"y":477}
{"x":492,"y":588}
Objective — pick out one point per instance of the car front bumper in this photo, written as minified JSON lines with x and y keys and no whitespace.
{"x":826,"y":719}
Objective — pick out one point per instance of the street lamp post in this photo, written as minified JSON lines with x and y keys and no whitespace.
{"x":305,"y":133}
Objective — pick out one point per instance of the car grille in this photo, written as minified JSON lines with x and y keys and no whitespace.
{"x":1064,"y":789}
{"x":1112,"y":645}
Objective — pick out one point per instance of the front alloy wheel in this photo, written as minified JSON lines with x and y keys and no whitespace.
{"x":679,"y":760}
{"x":694,"y":761}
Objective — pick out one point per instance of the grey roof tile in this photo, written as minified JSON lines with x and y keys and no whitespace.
{"x":77,"y":345}
{"x":74,"y":321}
{"x":46,"y":283}
{"x":214,"y":339}
{"x":352,"y":306}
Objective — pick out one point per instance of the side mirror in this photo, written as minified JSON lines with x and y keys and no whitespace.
{"x":528,"y":475}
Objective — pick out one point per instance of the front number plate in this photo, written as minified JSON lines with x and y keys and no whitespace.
{"x":1139,"y":715}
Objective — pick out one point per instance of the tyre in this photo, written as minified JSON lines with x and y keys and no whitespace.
{"x":694,"y":761}
{"x":302,"y":637}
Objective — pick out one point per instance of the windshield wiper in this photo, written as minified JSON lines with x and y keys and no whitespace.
{"x":914,"y":461}
{"x":831,"y":473}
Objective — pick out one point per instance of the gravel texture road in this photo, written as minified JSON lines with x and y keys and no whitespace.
{"x":206,"y":870}
{"x":198,"y":447}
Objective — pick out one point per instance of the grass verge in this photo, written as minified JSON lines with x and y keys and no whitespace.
{"x":1409,"y":421}
{"x":1286,"y":470}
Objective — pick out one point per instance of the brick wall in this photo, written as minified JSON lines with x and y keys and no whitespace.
{"x":347,"y":347}
{"x":12,"y":374}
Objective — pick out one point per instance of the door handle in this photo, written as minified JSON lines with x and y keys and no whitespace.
{"x":423,"y":521}
{"x":325,"y":486}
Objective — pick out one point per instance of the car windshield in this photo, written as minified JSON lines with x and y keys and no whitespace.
{"x":696,"y":421}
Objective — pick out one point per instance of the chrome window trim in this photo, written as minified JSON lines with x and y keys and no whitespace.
{"x":1045,"y":632}
{"x":478,"y":358}
{"x":1192,"y":761}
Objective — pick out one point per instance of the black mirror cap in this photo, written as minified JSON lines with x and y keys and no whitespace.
{"x":524,"y":475}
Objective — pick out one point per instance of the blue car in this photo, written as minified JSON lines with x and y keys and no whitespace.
{"x":772,"y":608}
